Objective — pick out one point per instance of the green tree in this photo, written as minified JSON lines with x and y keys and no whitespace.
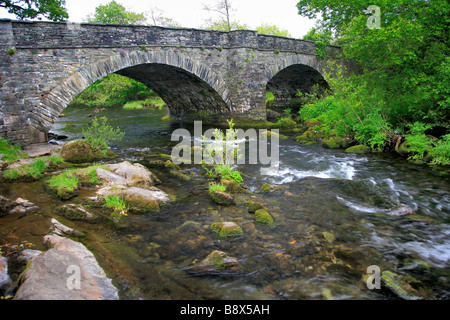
{"x":50,"y":9}
{"x":224,"y":9}
{"x":222,"y":25}
{"x":272,"y":30}
{"x":115,"y":13}
{"x":404,"y":65}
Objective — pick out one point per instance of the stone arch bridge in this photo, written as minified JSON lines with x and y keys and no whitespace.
{"x":198,"y":73}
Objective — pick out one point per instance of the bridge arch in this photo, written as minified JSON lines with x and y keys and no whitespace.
{"x":296,"y":72}
{"x":141,"y":66}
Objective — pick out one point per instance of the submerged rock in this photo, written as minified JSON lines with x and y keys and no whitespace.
{"x":20,"y":206}
{"x":217,"y":262}
{"x":405,"y":287}
{"x":400,"y":211}
{"x":227,"y":229}
{"x":75,"y":212}
{"x":263,"y":217}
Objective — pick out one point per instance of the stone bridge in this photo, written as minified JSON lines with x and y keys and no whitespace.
{"x":198,"y":73}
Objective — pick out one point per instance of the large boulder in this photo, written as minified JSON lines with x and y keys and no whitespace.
{"x":80,"y":151}
{"x":136,"y":175}
{"x":67,"y":271}
{"x":138,"y":200}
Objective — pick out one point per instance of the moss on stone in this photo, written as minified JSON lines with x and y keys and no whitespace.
{"x":171,"y":165}
{"x":359,"y":149}
{"x":222,"y":198}
{"x":406,"y":287}
{"x":269,"y":134}
{"x":263,"y":217}
{"x":227,"y":229}
{"x":336,"y":142}
{"x":180,"y":175}
{"x":253,"y":206}
{"x":266,"y":187}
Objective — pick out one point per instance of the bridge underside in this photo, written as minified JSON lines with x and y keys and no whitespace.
{"x":286,"y":83}
{"x":184,"y":93}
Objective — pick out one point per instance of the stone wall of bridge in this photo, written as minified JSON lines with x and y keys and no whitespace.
{"x":198,"y":73}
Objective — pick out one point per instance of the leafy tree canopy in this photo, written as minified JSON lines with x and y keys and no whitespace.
{"x":31,"y":9}
{"x":222,"y":25}
{"x":272,"y":30}
{"x":115,"y":13}
{"x":405,"y":62}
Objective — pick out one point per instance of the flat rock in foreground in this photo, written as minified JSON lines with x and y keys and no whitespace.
{"x":53,"y":275}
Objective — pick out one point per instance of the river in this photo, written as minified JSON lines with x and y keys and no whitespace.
{"x":332,"y":214}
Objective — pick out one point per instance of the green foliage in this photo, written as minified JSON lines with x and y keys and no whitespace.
{"x":272,"y":30}
{"x":322,"y":38}
{"x":10,"y":152}
{"x":67,"y":181}
{"x":116,"y":203}
{"x":99,"y":134}
{"x":213,"y":187}
{"x":11,"y":51}
{"x":222,"y":25}
{"x":115,"y":13}
{"x":28,"y":172}
{"x":405,"y":71}
{"x":440,"y":154}
{"x":112,"y":90}
{"x":30,"y":9}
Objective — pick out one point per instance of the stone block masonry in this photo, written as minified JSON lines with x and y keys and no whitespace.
{"x":198,"y":73}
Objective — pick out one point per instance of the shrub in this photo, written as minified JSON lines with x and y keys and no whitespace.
{"x":440,"y":154}
{"x":213,"y":187}
{"x":99,"y":134}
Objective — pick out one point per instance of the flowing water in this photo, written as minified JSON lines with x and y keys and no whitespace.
{"x":332,"y":212}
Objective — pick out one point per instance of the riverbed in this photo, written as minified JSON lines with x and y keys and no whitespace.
{"x":332,"y":210}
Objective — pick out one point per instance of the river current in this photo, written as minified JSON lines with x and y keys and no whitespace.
{"x":333,"y":214}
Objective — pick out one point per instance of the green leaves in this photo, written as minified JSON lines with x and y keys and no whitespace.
{"x":115,"y":13}
{"x":99,"y":134}
{"x":51,"y":9}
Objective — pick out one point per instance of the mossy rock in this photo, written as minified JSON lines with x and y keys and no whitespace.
{"x":232,"y":186}
{"x":360,"y":149}
{"x":75,"y":212}
{"x":227,"y":229}
{"x":65,"y":193}
{"x":269,"y":134}
{"x":403,"y":149}
{"x":80,"y":151}
{"x":312,"y":123}
{"x":263,"y":217}
{"x":311,"y":136}
{"x":253,"y":206}
{"x":336,"y":142}
{"x":266,"y":187}
{"x":180,"y":175}
{"x":216,"y":262}
{"x":171,"y":165}
{"x":405,"y":287}
{"x":222,"y":198}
